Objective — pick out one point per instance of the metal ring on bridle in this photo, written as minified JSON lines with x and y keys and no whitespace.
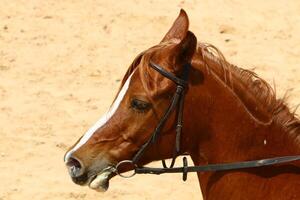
{"x":130,"y":162}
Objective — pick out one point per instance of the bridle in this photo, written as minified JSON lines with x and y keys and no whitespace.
{"x":178,"y":102}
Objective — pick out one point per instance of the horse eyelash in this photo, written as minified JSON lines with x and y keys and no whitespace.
{"x":139,"y":110}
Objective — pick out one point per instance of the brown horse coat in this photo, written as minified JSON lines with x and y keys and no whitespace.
{"x":230,"y":115}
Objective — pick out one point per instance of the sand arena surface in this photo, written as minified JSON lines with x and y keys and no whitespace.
{"x":61,"y":63}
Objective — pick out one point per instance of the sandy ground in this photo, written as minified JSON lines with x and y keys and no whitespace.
{"x":61,"y":63}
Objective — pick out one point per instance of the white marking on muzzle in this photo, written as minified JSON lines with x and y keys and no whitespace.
{"x":102,"y":120}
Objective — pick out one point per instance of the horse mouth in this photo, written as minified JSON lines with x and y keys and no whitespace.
{"x":100,"y":181}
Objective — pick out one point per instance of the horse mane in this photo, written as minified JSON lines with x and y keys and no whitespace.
{"x":258,"y":90}
{"x":265,"y":105}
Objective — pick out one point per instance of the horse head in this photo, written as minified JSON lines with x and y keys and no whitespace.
{"x":140,"y":104}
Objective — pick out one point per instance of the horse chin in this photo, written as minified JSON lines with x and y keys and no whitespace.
{"x":100,"y":182}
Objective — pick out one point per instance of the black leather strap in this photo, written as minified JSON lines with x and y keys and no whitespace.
{"x":178,"y":100}
{"x":219,"y":167}
{"x":158,"y":129}
{"x":178,"y":81}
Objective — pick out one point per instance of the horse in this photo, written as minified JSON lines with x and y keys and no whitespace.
{"x":230,"y":114}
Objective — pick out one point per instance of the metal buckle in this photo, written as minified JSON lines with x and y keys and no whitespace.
{"x":130,"y":162}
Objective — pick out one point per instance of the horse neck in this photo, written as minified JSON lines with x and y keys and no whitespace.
{"x":226,"y":130}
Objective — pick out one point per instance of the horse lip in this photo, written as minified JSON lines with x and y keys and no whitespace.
{"x":93,"y":177}
{"x":110,"y":169}
{"x":100,"y":181}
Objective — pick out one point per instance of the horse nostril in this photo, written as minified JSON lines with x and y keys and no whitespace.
{"x":74,"y":166}
{"x":73,"y":162}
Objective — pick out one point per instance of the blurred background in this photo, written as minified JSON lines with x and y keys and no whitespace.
{"x":61,"y":63}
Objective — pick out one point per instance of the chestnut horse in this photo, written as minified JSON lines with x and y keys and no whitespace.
{"x":229,"y":115}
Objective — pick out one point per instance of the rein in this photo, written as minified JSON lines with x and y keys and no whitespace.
{"x":178,"y":101}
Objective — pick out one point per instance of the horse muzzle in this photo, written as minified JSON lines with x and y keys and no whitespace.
{"x":96,"y":179}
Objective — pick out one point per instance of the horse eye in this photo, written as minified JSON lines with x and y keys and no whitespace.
{"x":140,"y":105}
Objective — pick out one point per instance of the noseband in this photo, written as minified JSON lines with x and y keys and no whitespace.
{"x":178,"y":102}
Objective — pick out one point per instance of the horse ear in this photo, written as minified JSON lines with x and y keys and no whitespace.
{"x":184,"y":51}
{"x":179,"y":28}
{"x":172,"y":61}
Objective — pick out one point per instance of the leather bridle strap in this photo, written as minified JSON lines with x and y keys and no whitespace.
{"x":218,"y":167}
{"x":178,"y":100}
{"x":179,"y":81}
